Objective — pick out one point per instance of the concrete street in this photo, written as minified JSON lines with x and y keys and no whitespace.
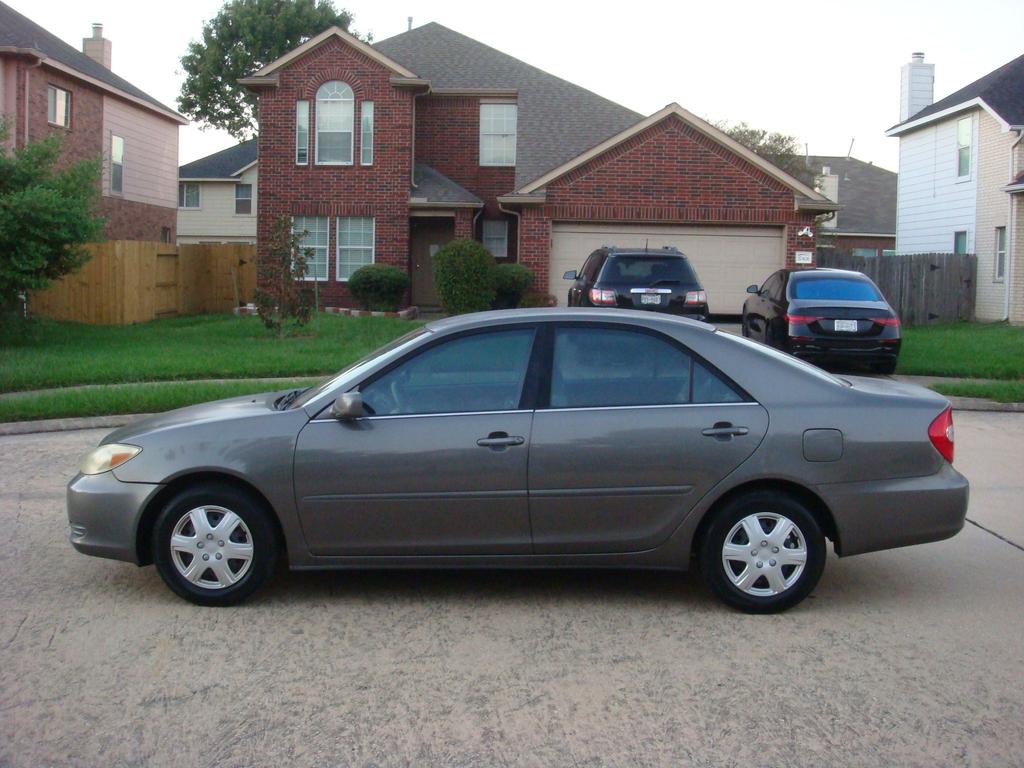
{"x":911,"y":657}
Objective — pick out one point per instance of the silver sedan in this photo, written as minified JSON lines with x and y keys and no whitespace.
{"x":533,"y":438}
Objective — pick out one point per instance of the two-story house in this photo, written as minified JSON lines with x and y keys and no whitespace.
{"x":217,"y":197}
{"x":960,"y":164}
{"x":865,"y":225}
{"x":49,"y":87}
{"x":382,"y":153}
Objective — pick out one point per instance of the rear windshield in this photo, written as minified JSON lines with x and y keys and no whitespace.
{"x":835,"y":289}
{"x":647,"y":270}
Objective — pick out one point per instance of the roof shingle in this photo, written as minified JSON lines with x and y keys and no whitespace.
{"x":867,"y":195}
{"x":434,"y":187}
{"x":221,"y":165}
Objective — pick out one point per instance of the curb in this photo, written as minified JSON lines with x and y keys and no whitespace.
{"x":981,"y":404}
{"x":67,"y":425}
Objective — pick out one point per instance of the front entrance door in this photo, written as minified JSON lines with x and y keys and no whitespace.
{"x":426,"y":236}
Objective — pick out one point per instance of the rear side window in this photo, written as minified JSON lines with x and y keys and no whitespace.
{"x":835,"y":289}
{"x":607,"y":367}
{"x":647,"y":270}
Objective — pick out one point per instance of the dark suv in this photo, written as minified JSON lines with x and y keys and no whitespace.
{"x":659,"y":279}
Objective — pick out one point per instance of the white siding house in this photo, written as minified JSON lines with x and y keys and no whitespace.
{"x":217,"y":197}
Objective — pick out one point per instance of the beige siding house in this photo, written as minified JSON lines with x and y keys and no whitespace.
{"x":217,"y":197}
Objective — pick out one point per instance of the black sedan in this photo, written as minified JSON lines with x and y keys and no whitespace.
{"x":824,"y":316}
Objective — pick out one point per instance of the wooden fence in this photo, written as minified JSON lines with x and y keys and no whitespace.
{"x":131,"y":281}
{"x":921,"y":287}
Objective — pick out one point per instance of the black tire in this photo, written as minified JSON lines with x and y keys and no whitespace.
{"x":261,"y":535}
{"x":713,"y":569}
{"x":744,"y":328}
{"x":886,"y":367}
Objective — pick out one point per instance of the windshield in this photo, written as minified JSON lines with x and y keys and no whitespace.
{"x":835,"y":289}
{"x":323,"y":386}
{"x":647,"y":270}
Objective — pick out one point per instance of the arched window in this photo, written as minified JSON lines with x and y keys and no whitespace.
{"x":334,"y":118}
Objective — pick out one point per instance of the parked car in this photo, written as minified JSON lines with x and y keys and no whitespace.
{"x":533,"y":438}
{"x":661,"y":279}
{"x":826,"y":316}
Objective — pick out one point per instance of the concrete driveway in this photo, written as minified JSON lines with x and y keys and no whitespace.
{"x":909,"y":657}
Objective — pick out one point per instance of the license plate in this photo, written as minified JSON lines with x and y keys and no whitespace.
{"x":850,"y":326}
{"x":650,"y":298}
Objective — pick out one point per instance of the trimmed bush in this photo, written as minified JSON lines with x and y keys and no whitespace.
{"x":511,"y":282}
{"x":378,"y":287}
{"x":464,"y":275}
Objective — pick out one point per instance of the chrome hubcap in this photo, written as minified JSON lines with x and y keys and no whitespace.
{"x":764,"y":554}
{"x":211,"y":547}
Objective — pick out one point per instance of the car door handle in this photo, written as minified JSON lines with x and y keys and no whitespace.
{"x":499,"y":440}
{"x":723,"y":430}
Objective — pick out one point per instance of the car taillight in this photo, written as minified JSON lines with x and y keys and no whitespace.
{"x":597,"y":296}
{"x":887,"y":321}
{"x":801,"y":319}
{"x":941,"y":434}
{"x":696,"y":297}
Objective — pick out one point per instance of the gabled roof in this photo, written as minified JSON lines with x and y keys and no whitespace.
{"x":1001,"y":92}
{"x":21,"y":35}
{"x":434,"y":187}
{"x":221,"y":165}
{"x":557,"y":119}
{"x":867,"y":195}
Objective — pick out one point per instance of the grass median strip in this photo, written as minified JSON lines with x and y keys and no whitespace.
{"x":968,"y":350}
{"x":131,"y":398}
{"x":1000,"y":391}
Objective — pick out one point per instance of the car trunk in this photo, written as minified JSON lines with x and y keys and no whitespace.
{"x":843,"y":320}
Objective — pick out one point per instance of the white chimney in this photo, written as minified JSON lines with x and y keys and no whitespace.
{"x":97,"y":47}
{"x":828,"y":185}
{"x":917,"y":86}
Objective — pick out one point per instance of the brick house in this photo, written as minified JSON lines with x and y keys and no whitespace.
{"x":382,"y":153}
{"x":49,"y":87}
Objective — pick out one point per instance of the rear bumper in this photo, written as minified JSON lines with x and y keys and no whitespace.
{"x":826,"y":349}
{"x":104,"y":513}
{"x":884,"y":514}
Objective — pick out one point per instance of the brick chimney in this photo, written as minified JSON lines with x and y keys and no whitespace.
{"x":97,"y":47}
{"x":917,"y":86}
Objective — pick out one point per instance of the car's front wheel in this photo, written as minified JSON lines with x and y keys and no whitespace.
{"x":214,"y":544}
{"x":763,"y":552}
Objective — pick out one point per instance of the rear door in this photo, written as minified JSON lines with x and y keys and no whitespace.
{"x":636,"y":430}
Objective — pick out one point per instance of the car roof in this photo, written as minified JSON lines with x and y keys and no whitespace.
{"x":567,"y":314}
{"x":665,"y":251}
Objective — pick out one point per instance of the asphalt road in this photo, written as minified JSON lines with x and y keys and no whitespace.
{"x":910,"y":657}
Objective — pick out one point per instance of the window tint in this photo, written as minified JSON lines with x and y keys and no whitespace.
{"x":646,"y":270}
{"x":710,"y":388}
{"x":482,"y":372}
{"x":835,"y":288}
{"x":591,"y":265}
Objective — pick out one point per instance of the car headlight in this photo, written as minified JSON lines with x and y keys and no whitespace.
{"x":106,"y":457}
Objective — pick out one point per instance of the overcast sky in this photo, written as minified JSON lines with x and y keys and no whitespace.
{"x":825,"y":72}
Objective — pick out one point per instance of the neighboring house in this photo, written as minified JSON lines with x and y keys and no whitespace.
{"x":48,"y":87}
{"x":960,"y":162}
{"x":865,"y":225}
{"x":383,"y":153}
{"x":217,"y":197}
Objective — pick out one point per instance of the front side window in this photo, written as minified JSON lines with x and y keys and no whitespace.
{"x":188,"y":194}
{"x":243,"y":199}
{"x":313,"y":233}
{"x":1000,"y":265}
{"x":960,"y":242}
{"x":608,"y":367}
{"x":498,"y":134}
{"x":366,"y":134}
{"x":301,"y":132}
{"x":481,"y":372}
{"x":335,"y":113}
{"x":963,"y":147}
{"x":355,"y":245}
{"x":116,"y":164}
{"x":496,"y":238}
{"x":58,"y":106}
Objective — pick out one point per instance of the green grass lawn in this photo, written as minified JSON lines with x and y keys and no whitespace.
{"x":46,"y":353}
{"x":969,"y":350}
{"x":1000,"y":391}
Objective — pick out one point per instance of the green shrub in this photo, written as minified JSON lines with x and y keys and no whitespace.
{"x":464,"y":275}
{"x":510,"y":283}
{"x":378,"y":287}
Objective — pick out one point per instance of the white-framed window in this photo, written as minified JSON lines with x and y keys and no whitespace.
{"x":188,"y":194}
{"x":999,"y":272}
{"x":355,"y":236}
{"x":243,"y":199}
{"x":498,"y":134}
{"x":335,"y":113}
{"x":314,"y":233}
{"x":116,"y":164}
{"x":865,"y":253}
{"x":496,"y":237}
{"x":301,"y":132}
{"x":888,"y":252}
{"x":366,"y":133}
{"x":960,"y":242}
{"x":964,"y":129}
{"x":58,"y":106}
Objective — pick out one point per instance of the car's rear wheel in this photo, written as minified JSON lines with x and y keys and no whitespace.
{"x":763,"y":552}
{"x":214,"y":544}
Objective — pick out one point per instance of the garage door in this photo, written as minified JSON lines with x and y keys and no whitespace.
{"x":727,"y":259}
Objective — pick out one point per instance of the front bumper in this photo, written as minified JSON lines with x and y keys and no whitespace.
{"x":884,"y":514}
{"x":104,"y":513}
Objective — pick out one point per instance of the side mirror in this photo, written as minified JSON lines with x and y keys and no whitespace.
{"x":570,"y":275}
{"x":753,"y":289}
{"x":348,"y":405}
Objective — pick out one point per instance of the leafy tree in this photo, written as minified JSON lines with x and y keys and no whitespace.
{"x":281,"y":295}
{"x":243,"y":37}
{"x":779,"y":149}
{"x":46,"y":215}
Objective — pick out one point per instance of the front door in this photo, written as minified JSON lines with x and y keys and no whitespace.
{"x":426,"y":236}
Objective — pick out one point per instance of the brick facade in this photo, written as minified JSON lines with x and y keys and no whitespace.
{"x":846,"y":243}
{"x":132,"y":220}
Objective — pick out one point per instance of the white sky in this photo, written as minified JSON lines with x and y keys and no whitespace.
{"x":826,"y":72}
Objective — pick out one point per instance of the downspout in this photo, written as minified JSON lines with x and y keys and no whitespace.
{"x":1008,"y":277}
{"x":476,"y":218}
{"x":519,"y":222}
